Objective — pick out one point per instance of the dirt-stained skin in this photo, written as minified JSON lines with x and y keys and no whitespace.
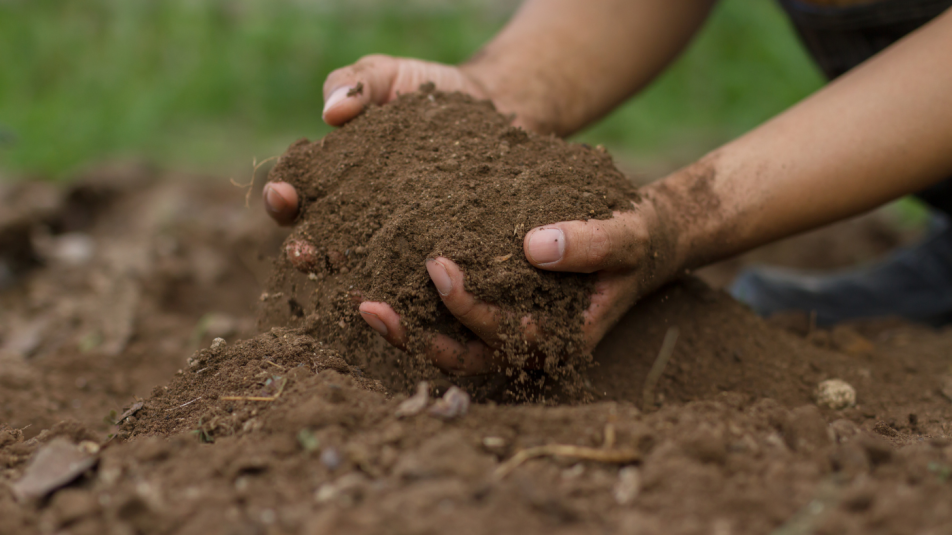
{"x":696,"y":225}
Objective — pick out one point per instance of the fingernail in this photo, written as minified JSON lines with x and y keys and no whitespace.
{"x":338,"y":95}
{"x":546,"y":246}
{"x":439,"y":276}
{"x":273,"y":200}
{"x":375,"y":322}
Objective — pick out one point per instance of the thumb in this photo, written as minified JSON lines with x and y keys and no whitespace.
{"x":588,"y":246}
{"x":350,"y":89}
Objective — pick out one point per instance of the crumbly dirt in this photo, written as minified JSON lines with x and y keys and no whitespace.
{"x":436,"y":174}
{"x":280,"y":433}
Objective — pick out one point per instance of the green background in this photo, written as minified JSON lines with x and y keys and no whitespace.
{"x":207,"y":85}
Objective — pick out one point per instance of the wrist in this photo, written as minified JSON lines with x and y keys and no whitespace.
{"x":662,"y":253}
{"x":694,"y":215}
{"x":671,"y":241}
{"x":511,"y":95}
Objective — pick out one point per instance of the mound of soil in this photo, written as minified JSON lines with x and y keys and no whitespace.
{"x":277,"y":434}
{"x":108,"y":295}
{"x":435,"y":174}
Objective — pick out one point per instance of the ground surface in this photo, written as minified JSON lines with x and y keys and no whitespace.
{"x":110,"y":286}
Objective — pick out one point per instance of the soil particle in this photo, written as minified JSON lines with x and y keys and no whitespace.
{"x":434,"y":174}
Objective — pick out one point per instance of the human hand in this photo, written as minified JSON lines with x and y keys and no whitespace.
{"x":627,"y":256}
{"x":375,"y":79}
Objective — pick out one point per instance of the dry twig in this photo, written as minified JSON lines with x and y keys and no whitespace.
{"x":609,"y":432}
{"x":186,"y":404}
{"x":257,"y":398}
{"x":250,"y":185}
{"x":132,"y":410}
{"x":610,"y":456}
{"x":667,"y":348}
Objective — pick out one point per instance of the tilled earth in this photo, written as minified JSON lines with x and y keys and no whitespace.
{"x":121,"y":413}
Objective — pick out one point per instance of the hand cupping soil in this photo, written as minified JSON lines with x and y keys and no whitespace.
{"x":436,"y":174}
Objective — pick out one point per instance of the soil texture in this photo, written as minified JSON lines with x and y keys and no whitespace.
{"x":128,"y":348}
{"x":435,"y":174}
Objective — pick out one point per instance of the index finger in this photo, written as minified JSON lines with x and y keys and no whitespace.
{"x":350,"y":89}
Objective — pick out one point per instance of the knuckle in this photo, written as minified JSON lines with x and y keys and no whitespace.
{"x":479,"y":318}
{"x":344,"y":74}
{"x":599,"y":246}
{"x":461,"y":307}
{"x":334,"y":79}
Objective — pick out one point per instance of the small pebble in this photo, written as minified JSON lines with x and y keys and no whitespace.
{"x":416,"y":403}
{"x":835,"y":394}
{"x":330,"y":458}
{"x":628,"y":485}
{"x":494,"y":442}
{"x":89,"y":447}
{"x":453,"y":404}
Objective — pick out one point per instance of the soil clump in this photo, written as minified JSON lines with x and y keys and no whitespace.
{"x":435,"y":174}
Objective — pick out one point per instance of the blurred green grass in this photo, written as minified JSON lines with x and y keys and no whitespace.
{"x":204,"y":84}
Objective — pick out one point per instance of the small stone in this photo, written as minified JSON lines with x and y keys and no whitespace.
{"x":56,"y":464}
{"x":217,"y":344}
{"x":331,"y":458}
{"x":494,"y":442}
{"x":302,"y":255}
{"x":453,"y":404}
{"x":195,"y":360}
{"x":628,"y":485}
{"x":71,"y":249}
{"x":89,"y":447}
{"x":448,"y":165}
{"x":348,"y":487}
{"x":416,"y":403}
{"x":835,"y":394}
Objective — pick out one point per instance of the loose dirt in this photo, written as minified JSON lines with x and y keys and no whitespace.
{"x":120,"y":284}
{"x":435,"y":174}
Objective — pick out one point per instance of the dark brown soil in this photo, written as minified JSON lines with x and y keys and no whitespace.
{"x":280,"y":433}
{"x":435,"y":174}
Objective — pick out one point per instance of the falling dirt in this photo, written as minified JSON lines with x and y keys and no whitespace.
{"x":127,"y":333}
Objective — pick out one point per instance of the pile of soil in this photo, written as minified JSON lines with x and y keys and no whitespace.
{"x":121,"y":283}
{"x":436,"y":174}
{"x":277,"y":434}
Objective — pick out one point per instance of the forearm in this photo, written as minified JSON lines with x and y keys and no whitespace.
{"x":882,"y":131}
{"x":561,"y":64}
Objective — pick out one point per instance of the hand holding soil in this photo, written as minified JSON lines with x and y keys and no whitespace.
{"x":373,"y":80}
{"x":615,"y":249}
{"x":508,"y":226}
